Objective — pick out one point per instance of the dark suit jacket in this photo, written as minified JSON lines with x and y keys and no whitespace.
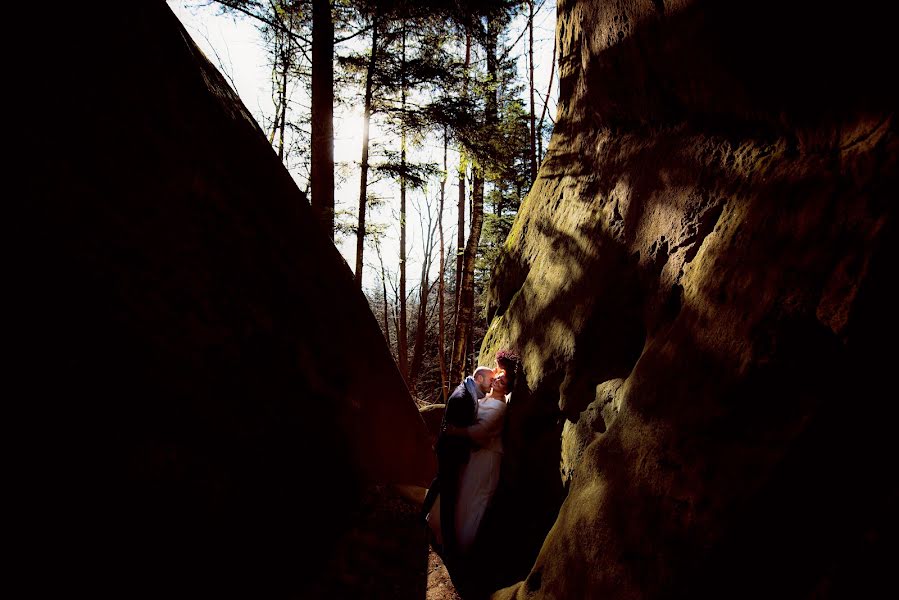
{"x":461,"y":411}
{"x":452,"y":453}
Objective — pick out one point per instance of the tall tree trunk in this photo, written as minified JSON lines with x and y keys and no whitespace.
{"x":384,"y":288}
{"x":322,"y":171}
{"x":460,"y":228}
{"x":471,"y":358}
{"x":441,"y":316}
{"x":276,"y":87}
{"x":285,"y":62}
{"x":465,"y":311}
{"x":402,"y":342}
{"x":424,"y":292}
{"x":386,"y":318}
{"x":420,"y":324}
{"x":466,"y":305}
{"x":549,"y":87}
{"x":281,"y":121}
{"x":396,"y":311}
{"x":363,"y":178}
{"x":533,"y":155}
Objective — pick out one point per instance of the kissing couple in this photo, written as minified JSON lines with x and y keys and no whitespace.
{"x":469,"y":454}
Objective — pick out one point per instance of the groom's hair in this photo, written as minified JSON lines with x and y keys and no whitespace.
{"x":481,"y":370}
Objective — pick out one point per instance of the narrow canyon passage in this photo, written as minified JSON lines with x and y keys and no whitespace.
{"x":699,"y":284}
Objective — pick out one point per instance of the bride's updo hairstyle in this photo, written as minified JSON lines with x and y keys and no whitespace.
{"x":508,"y":361}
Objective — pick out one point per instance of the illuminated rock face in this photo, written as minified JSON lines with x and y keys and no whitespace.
{"x":698,"y":284}
{"x":216,"y":391}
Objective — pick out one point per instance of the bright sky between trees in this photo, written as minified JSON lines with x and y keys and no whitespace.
{"x":235,"y":46}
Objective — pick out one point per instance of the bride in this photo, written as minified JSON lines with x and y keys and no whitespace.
{"x":480,"y":477}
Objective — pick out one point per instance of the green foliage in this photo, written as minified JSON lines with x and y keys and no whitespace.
{"x":416,"y":175}
{"x":420,"y":85}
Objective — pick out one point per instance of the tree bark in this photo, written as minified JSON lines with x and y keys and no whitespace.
{"x":402,"y":342}
{"x":465,"y":315}
{"x":424,"y":292}
{"x":384,"y":288}
{"x":363,"y":178}
{"x":441,"y":316}
{"x":285,"y":62}
{"x":533,"y":155}
{"x":322,"y":168}
{"x":460,"y":225}
{"x":465,"y":310}
{"x":549,"y":87}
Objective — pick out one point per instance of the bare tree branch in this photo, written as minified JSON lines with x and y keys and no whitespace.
{"x":238,"y":6}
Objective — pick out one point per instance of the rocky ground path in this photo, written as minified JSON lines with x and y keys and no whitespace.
{"x":440,"y":586}
{"x":385,"y":555}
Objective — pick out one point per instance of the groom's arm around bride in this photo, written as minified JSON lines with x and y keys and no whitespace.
{"x":453,"y":451}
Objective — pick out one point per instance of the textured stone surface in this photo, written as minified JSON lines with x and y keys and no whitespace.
{"x":698,"y":285}
{"x":214,"y":392}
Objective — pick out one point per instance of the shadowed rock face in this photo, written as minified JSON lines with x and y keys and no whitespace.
{"x":698,"y":284}
{"x":214,"y":391}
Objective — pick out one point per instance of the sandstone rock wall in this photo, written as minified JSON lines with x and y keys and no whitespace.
{"x":698,"y":283}
{"x":211,"y":393}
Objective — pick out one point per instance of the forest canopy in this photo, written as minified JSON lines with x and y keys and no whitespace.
{"x":453,"y":128}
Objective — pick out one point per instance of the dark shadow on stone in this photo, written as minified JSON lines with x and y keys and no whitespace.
{"x":646,"y":152}
{"x":194,"y":431}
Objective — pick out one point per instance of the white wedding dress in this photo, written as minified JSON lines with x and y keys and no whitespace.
{"x":480,"y":476}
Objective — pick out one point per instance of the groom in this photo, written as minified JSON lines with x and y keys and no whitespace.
{"x":453,"y":451}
